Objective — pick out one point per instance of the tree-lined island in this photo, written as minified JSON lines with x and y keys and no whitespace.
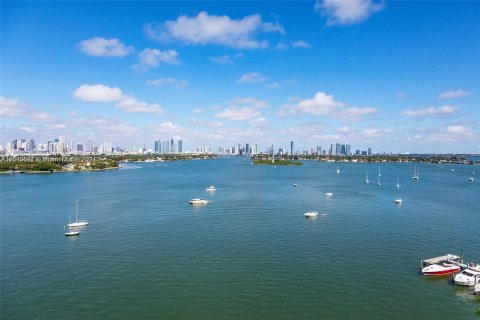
{"x":58,"y":163}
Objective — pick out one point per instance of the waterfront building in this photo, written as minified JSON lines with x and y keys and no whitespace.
{"x":180,"y":146}
{"x":157,"y":147}
{"x":79,"y":148}
{"x":165,"y":147}
{"x":291,"y":147}
{"x":369,"y":151}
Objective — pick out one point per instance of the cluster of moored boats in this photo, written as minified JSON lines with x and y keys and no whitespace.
{"x":74,"y":227}
{"x":202,"y":201}
{"x":464,"y":274}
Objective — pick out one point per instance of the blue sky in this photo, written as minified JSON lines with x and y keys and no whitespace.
{"x":397,"y":76}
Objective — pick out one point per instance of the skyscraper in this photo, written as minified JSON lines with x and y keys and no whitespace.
{"x":157,"y":147}
{"x":180,"y":146}
{"x":247,"y":148}
{"x":165,"y":147}
{"x":291,"y":147}
{"x":172,"y":146}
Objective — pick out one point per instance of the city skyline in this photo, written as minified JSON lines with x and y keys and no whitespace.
{"x":396,"y":76}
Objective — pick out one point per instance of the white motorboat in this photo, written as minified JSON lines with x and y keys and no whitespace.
{"x":398,"y":201}
{"x":468,"y":276}
{"x":471,"y":178}
{"x":295,"y":185}
{"x":211,"y":189}
{"x":197,"y":201}
{"x":329,"y":194}
{"x":311,"y":214}
{"x":441,"y":268}
{"x":77,"y":223}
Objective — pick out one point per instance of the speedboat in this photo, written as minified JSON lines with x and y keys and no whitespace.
{"x":467,"y":276}
{"x":398,"y":200}
{"x":295,"y":185}
{"x":311,"y":214}
{"x":196,"y":201}
{"x":471,"y":178}
{"x":329,"y":194}
{"x":441,"y":268}
{"x":211,"y":189}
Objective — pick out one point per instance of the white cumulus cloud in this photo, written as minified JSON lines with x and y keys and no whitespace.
{"x":176,"y":83}
{"x":97,"y":93}
{"x":151,"y":58}
{"x":252,"y":77}
{"x":323,"y":104}
{"x":12,"y":108}
{"x":103,"y":93}
{"x":212,"y":29}
{"x":454,"y":94}
{"x":431,"y":111}
{"x":242,"y":109}
{"x":344,"y":12}
{"x":300,"y":44}
{"x":101,"y":47}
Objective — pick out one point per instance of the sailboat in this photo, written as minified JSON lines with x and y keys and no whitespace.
{"x":77,"y":223}
{"x":415,"y":175}
{"x":378,"y":181}
{"x":398,"y":183}
{"x":379,"y":174}
{"x":338,"y":170}
{"x":70,"y":232}
{"x":366,"y":178}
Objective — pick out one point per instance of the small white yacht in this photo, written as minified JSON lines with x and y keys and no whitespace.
{"x":77,"y":223}
{"x":211,"y":189}
{"x":295,"y":185}
{"x":311,"y":214}
{"x":398,"y":201}
{"x":196,"y":201}
{"x":71,"y":233}
{"x":470,"y":179}
{"x":468,"y":276}
{"x":329,"y":194}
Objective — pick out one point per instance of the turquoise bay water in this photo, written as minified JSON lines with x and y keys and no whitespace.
{"x":248,"y":254}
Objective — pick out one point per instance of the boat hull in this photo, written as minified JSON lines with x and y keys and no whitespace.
{"x":437,"y":270}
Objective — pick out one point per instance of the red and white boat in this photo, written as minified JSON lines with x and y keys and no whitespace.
{"x":440,"y":266}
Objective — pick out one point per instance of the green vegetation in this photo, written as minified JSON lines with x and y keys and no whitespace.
{"x":58,"y":163}
{"x":279,"y":162}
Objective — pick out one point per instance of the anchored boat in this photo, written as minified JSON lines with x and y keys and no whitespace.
{"x":442,"y":265}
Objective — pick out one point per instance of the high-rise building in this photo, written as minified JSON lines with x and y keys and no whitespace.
{"x":247,"y":148}
{"x":79,"y":148}
{"x":165,"y":147}
{"x":347,"y":150}
{"x":319,"y":150}
{"x":172,"y":146}
{"x":107,"y":147}
{"x":291,"y":147}
{"x":31,"y":145}
{"x":180,"y":146}
{"x":89,"y":147}
{"x":157,"y":147}
{"x":369,"y":151}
